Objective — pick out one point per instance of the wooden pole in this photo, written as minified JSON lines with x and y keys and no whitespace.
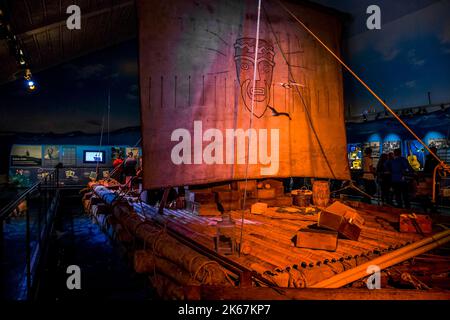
{"x":386,"y":260}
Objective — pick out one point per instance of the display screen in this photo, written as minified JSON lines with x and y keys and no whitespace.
{"x":94,"y":157}
{"x":355,"y":156}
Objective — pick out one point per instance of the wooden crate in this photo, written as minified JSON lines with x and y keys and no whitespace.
{"x":330,"y":220}
{"x":315,"y":238}
{"x":231,"y":205}
{"x":249,"y":202}
{"x":221,"y":187}
{"x":338,"y":223}
{"x":240,"y":185}
{"x":279,"y":202}
{"x":266,"y":193}
{"x":349,"y":231}
{"x":347,"y":212}
{"x":229,"y":195}
{"x":273,"y":183}
{"x":200,"y":196}
{"x":208,"y":209}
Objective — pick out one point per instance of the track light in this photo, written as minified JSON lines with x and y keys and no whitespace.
{"x":29,"y":82}
{"x":31,"y":85}
{"x":27,"y":75}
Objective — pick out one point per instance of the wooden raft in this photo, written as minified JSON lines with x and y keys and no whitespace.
{"x":268,"y":247}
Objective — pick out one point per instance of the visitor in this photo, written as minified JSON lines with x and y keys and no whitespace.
{"x":384,"y":179}
{"x":391,"y":156}
{"x":117,"y":172}
{"x":369,"y":174}
{"x":430,"y":162}
{"x":129,"y":167}
{"x":399,"y":169}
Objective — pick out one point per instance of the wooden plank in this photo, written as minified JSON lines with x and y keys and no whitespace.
{"x":264,"y":293}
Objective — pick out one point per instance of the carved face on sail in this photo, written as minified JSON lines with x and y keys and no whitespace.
{"x":245,"y":59}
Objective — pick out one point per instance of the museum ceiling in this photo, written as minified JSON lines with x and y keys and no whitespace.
{"x":42,"y":34}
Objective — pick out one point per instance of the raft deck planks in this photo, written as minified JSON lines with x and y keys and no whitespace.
{"x":269,"y":238}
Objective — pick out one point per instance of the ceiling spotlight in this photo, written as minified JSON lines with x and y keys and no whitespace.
{"x":31,"y":85}
{"x":29,"y":82}
{"x":27,"y":75}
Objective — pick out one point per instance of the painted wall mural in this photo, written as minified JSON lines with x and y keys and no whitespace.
{"x":197,"y":63}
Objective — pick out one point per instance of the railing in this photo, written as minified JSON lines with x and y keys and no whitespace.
{"x":25,"y":226}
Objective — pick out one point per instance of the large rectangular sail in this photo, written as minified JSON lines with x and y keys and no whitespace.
{"x":197,"y":61}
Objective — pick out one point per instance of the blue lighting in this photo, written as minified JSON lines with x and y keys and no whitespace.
{"x":30,"y":83}
{"x":392,"y":137}
{"x":433,"y":135}
{"x":374,"y":138}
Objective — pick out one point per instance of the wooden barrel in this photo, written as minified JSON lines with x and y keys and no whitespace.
{"x":321,"y":193}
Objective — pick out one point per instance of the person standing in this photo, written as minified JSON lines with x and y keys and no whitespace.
{"x":129,"y":167}
{"x":399,"y":168}
{"x":369,"y":174}
{"x":430,"y":162}
{"x":384,"y":180}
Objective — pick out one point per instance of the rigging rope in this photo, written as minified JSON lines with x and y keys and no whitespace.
{"x":100,"y":145}
{"x":255,"y":69}
{"x":442,"y":163}
{"x":300,"y":95}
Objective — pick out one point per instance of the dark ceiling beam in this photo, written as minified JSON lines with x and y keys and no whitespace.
{"x":61,"y":23}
